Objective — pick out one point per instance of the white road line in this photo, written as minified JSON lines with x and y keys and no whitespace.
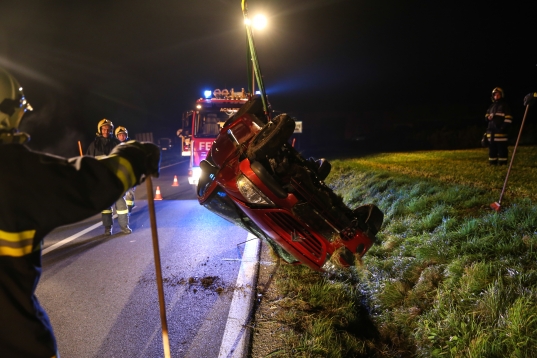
{"x":71,"y":238}
{"x":171,"y":165}
{"x":236,"y":334}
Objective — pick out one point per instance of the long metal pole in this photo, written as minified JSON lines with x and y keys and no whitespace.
{"x":512,"y":159}
{"x":158,"y":271}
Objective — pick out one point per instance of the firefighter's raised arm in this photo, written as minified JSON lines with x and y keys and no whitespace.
{"x":143,"y":158}
{"x":530,"y":98}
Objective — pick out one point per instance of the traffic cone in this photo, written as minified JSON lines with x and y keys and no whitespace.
{"x":157,"y":194}
{"x":175,"y":182}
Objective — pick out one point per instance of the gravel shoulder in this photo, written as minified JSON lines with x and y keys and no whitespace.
{"x":266,"y":328}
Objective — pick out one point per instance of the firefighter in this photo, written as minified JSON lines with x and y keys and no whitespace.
{"x":499,"y":120}
{"x":122,"y":134}
{"x":103,"y":144}
{"x":41,"y":192}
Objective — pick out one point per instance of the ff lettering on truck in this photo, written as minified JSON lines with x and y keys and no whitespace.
{"x":205,"y":145}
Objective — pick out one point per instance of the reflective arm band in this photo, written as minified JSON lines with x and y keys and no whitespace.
{"x":16,"y":244}
{"x":122,"y":168}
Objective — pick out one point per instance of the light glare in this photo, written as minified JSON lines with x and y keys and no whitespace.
{"x":260,"y":22}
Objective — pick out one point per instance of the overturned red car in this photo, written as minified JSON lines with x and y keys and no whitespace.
{"x":255,"y":179}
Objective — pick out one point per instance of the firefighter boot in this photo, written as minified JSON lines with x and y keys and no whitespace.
{"x":123,"y":221}
{"x":107,"y":221}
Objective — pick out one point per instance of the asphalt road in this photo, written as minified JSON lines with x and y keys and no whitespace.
{"x":101,"y":293}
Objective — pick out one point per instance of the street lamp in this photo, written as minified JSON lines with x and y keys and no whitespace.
{"x":260,"y":21}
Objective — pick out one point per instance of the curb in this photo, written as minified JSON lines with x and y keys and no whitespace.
{"x":236,"y":337}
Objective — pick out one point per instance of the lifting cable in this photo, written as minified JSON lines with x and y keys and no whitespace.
{"x":255,"y":61}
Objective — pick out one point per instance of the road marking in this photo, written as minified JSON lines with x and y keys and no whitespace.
{"x":251,"y":260}
{"x":71,"y":238}
{"x":171,"y":165}
{"x":236,"y":333}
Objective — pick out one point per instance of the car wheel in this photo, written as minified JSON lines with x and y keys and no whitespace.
{"x":371,"y":215}
{"x":271,"y":137}
{"x":324,"y":168}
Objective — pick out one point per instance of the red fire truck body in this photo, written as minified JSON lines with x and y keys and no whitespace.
{"x":206,"y":120}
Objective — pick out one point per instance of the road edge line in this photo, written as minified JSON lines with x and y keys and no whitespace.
{"x":236,"y":337}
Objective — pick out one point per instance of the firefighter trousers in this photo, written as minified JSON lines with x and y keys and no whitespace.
{"x":122,"y":214}
{"x":498,"y":152}
{"x":129,"y":198}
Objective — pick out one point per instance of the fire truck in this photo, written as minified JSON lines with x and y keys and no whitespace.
{"x":202,"y":125}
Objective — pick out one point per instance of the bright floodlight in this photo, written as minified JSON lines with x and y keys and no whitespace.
{"x":207,"y":94}
{"x":260,"y":21}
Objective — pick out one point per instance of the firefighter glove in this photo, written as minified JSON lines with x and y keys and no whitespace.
{"x":530,"y":98}
{"x":144,"y":158}
{"x":152,"y":159}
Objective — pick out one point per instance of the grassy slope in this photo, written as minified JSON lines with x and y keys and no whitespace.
{"x":448,"y":277}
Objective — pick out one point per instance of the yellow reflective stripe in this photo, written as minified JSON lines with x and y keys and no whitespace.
{"x":122,"y":168}
{"x":119,"y":212}
{"x":125,"y":173}
{"x":106,"y":212}
{"x":129,"y":202}
{"x":16,"y":244}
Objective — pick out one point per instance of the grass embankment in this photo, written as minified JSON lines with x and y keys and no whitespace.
{"x":448,"y":276}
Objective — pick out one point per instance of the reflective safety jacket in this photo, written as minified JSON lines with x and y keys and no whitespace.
{"x":499,"y":120}
{"x":38,"y":193}
{"x":102,"y":146}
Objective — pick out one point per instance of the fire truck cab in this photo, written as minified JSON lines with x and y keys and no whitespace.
{"x":206,"y":120}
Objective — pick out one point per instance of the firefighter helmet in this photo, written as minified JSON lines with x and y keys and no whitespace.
{"x":121,"y":129}
{"x":13,"y":104}
{"x":497,"y":90}
{"x":105,"y":122}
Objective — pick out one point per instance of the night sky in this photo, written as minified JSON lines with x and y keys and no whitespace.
{"x":142,"y":63}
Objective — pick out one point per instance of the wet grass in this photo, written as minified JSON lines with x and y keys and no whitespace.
{"x":449,"y":276}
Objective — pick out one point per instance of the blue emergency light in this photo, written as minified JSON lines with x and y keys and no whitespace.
{"x":208,"y":94}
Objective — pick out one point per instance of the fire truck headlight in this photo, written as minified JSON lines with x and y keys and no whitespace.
{"x":196,"y":173}
{"x":251,"y":193}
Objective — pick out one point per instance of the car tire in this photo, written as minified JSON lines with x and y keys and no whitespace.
{"x":324,"y":168}
{"x":371,"y":215}
{"x":271,"y":137}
